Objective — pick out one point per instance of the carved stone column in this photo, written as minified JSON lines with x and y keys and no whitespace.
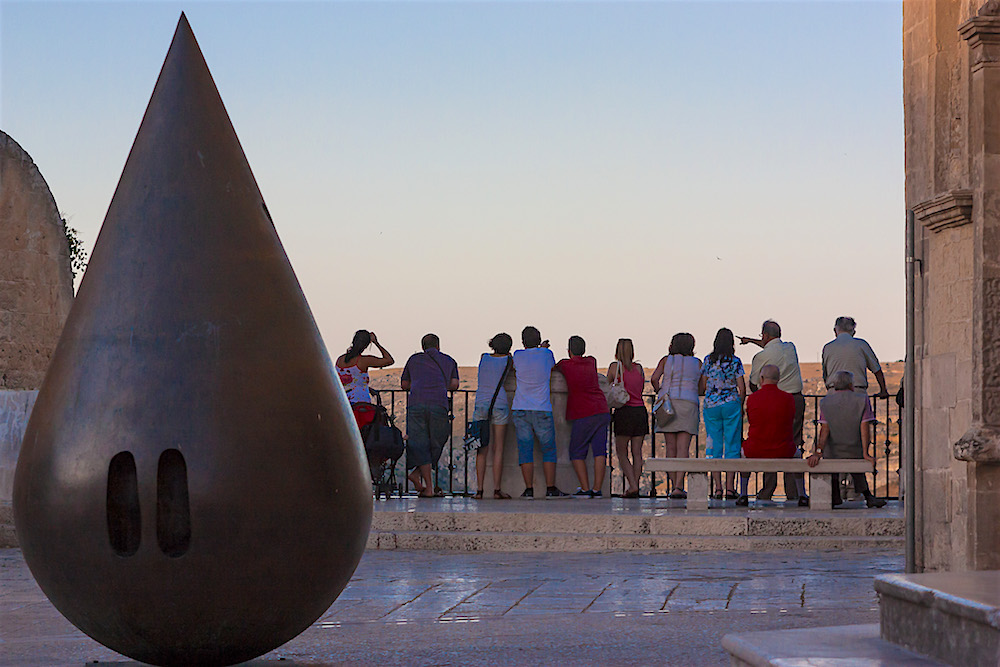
{"x":980,"y":445}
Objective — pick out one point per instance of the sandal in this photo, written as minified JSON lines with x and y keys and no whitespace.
{"x":478,"y":495}
{"x":417,"y":484}
{"x":631,"y":494}
{"x":717,"y":495}
{"x":438,"y":493}
{"x":732,"y":495}
{"x":678,"y":495}
{"x":500,"y":495}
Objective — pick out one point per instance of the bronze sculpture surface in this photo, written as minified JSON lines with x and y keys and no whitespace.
{"x":192,"y":488}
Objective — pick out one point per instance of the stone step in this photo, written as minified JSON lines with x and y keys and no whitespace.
{"x":455,"y":540}
{"x":844,"y":646}
{"x":777,"y":523}
{"x":951,"y":616}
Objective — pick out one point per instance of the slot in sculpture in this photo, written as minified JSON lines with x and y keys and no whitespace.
{"x":192,"y":488}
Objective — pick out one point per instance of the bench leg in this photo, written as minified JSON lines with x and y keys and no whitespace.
{"x":820,"y":491}
{"x":697,"y":484}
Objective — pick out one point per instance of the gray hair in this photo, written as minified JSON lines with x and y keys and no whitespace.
{"x":842,"y":380}
{"x":845,"y":324}
{"x":770,"y":372}
{"x":771,"y":328}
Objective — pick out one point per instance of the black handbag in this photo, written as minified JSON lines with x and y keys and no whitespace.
{"x":477,"y":433}
{"x":383,"y":440}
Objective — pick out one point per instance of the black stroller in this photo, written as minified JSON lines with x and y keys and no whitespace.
{"x":383,"y":445}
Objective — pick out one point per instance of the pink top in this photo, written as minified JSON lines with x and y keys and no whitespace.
{"x":635,"y":382}
{"x":584,"y":396}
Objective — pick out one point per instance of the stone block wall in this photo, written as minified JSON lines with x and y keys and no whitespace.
{"x":36,"y":293}
{"x":36,"y":284}
{"x":952,"y":117}
{"x":566,"y":479}
{"x":15,"y":408}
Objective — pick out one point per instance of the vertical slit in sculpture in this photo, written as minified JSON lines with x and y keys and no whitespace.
{"x":124,"y":518}
{"x":173,"y":512}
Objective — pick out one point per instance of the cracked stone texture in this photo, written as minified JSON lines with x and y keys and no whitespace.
{"x":435,"y":608}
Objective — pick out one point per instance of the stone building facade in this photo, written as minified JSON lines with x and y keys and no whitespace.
{"x":951,"y":88}
{"x":36,"y":292}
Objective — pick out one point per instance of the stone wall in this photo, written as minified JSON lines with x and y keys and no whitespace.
{"x":952,"y":155}
{"x":36,"y":292}
{"x":15,"y":408}
{"x":36,"y":284}
{"x":566,"y":479}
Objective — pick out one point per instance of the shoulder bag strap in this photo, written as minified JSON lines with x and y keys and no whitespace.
{"x":496,"y":392}
{"x":446,"y":380}
{"x":680,"y":381}
{"x":440,"y":368}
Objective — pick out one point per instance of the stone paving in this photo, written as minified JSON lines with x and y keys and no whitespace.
{"x":437,"y":608}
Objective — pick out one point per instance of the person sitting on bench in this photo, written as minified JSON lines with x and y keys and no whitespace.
{"x":845,"y":432}
{"x":771,"y":413}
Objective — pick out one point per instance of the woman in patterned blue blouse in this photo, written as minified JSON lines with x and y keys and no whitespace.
{"x":724,"y":389}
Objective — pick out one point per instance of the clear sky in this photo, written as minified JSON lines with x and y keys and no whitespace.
{"x":604,"y":169}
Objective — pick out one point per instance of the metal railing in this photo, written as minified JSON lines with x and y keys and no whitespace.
{"x":453,"y":474}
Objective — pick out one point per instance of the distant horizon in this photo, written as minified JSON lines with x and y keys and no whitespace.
{"x":594,"y":168}
{"x":811,"y":373}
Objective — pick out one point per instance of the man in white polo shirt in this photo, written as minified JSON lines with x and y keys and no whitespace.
{"x":782,"y":354}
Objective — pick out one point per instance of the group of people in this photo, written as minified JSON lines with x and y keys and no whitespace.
{"x":773,"y":404}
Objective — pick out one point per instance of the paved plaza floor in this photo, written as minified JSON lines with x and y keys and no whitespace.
{"x":438,"y":608}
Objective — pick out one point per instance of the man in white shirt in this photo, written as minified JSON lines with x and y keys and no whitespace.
{"x":783,"y":355}
{"x":531,"y":412}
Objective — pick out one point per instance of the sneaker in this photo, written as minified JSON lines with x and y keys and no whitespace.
{"x":803,"y":501}
{"x":529,"y":494}
{"x":743,"y":501}
{"x":554,"y":492}
{"x":580,"y":493}
{"x":874,"y":502}
{"x":596,"y":494}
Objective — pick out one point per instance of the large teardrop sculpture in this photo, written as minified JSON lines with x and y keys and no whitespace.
{"x":192,"y":488}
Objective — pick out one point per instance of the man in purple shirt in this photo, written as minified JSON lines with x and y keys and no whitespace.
{"x":427,"y":377}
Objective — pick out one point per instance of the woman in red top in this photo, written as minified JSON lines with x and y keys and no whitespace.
{"x":632,"y":419}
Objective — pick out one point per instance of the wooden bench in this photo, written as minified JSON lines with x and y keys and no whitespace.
{"x":821,"y":491}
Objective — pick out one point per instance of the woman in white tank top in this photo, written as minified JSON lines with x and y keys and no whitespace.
{"x":352,"y":367}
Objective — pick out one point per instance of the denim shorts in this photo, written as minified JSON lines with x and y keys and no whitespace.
{"x":501,"y":414}
{"x":529,"y":424}
{"x":427,"y":430}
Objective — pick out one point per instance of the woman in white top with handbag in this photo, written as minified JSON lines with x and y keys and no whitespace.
{"x":677,"y":376}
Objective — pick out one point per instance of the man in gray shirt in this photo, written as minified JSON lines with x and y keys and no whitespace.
{"x":845,"y":418}
{"x":854,"y":355}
